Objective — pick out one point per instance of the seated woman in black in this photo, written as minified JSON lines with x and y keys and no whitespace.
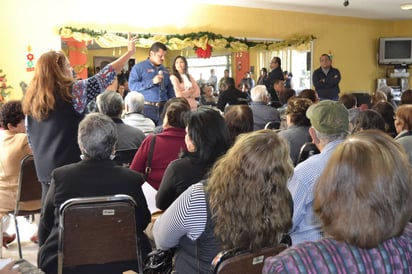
{"x":95,"y":175}
{"x":207,"y":138}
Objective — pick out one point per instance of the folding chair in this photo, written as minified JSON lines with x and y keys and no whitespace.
{"x":124,"y":157}
{"x":84,"y":226}
{"x":272,"y":125}
{"x":28,"y":198}
{"x":307,"y":150}
{"x":232,"y":262}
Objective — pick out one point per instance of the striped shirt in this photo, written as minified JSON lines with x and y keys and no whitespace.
{"x":186,"y":217}
{"x":306,"y":225}
{"x":330,"y":256}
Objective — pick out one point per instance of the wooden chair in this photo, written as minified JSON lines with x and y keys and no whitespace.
{"x":124,"y":157}
{"x":84,"y":226}
{"x":232,"y":262}
{"x":307,"y":150}
{"x":28,"y":198}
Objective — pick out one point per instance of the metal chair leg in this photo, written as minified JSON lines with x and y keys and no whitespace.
{"x":1,"y":238}
{"x":18,"y":236}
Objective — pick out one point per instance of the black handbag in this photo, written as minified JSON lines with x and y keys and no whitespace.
{"x":159,"y":262}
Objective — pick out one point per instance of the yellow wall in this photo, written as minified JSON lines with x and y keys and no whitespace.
{"x":352,"y":41}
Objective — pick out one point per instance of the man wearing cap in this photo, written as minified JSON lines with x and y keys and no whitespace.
{"x":330,"y":125}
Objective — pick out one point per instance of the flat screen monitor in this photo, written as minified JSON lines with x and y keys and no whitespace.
{"x":395,"y":51}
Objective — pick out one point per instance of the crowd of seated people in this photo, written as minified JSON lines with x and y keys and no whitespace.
{"x":95,"y":175}
{"x":239,"y":119}
{"x":364,"y":215}
{"x":236,"y":207}
{"x":368,"y":119}
{"x":262,"y":113}
{"x":111,"y":104}
{"x":133,"y":113}
{"x":215,"y":169}
{"x":207,"y":138}
{"x":297,"y":131}
{"x":167,"y":145}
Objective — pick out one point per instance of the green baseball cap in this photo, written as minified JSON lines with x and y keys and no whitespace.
{"x":329,"y":117}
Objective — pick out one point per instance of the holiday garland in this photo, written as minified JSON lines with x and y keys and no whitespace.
{"x":4,"y":88}
{"x":202,"y":42}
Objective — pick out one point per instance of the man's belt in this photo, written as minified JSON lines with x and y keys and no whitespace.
{"x":155,"y":104}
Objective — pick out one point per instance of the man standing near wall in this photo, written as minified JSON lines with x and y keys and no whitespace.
{"x":151,"y":78}
{"x":326,"y":79}
{"x":276,"y":73}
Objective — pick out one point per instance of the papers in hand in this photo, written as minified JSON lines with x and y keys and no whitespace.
{"x":150,"y":194}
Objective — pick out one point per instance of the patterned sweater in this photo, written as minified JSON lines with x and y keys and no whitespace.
{"x":331,"y":256}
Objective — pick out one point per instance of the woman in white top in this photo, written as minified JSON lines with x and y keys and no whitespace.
{"x":183,"y":83}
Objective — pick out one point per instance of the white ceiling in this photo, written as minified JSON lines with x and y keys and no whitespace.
{"x":372,"y":9}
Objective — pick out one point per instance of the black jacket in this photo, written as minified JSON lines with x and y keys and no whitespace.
{"x":231,"y":96}
{"x":54,"y":140}
{"x":86,"y":179}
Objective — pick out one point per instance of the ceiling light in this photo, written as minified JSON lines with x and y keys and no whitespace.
{"x":406,"y":6}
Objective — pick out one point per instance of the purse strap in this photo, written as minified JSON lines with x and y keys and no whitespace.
{"x":148,"y":168}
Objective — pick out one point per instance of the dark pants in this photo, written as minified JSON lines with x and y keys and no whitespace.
{"x":44,"y":189}
{"x":154,"y":113}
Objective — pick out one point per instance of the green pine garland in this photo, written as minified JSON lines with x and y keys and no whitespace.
{"x":4,"y":88}
{"x":197,"y":35}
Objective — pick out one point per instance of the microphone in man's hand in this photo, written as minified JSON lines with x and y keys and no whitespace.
{"x":162,"y":83}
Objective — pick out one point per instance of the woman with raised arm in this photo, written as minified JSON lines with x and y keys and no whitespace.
{"x":55,"y":104}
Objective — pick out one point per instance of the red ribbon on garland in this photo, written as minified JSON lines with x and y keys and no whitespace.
{"x":204,"y":53}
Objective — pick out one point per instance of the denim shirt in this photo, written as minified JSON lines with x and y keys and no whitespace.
{"x":141,"y":80}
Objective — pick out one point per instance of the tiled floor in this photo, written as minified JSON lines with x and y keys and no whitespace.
{"x":29,"y":249}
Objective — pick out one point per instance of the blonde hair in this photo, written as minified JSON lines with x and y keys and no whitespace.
{"x":248,"y":196}
{"x":367,"y":198}
{"x":50,"y":82}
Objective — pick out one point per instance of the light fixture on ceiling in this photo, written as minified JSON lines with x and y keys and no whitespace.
{"x":346,"y":3}
{"x":406,"y":6}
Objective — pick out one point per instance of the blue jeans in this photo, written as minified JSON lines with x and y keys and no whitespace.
{"x":153,"y":113}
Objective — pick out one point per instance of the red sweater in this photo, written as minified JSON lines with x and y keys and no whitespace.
{"x":167,"y":147}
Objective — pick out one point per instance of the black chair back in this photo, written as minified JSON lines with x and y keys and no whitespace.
{"x":125,"y":157}
{"x":98,"y":230}
{"x":307,"y":150}
{"x":232,"y":262}
{"x":29,"y":192}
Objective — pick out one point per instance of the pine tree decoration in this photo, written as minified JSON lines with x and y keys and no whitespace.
{"x":4,"y":88}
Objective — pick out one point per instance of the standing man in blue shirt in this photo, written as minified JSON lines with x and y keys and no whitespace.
{"x":326,"y":79}
{"x":151,"y":79}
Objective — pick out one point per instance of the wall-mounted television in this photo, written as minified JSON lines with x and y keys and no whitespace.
{"x":395,"y":51}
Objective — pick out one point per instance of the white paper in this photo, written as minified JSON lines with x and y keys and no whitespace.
{"x":150,"y":194}
{"x":3,"y":262}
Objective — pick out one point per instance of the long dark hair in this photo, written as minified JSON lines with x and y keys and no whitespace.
{"x":176,"y":73}
{"x":209,"y":133}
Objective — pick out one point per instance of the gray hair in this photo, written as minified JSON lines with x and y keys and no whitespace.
{"x":258,"y":93}
{"x":97,"y":136}
{"x":110,"y":103}
{"x":135,"y":101}
{"x":330,"y":137}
